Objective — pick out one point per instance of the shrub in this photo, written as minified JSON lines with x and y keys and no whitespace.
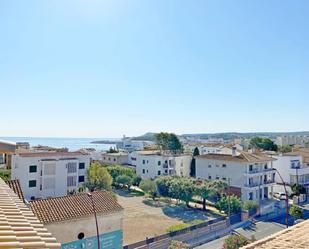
{"x":250,"y":205}
{"x":178,"y":245}
{"x":297,"y":212}
{"x":235,"y":242}
{"x":177,"y":227}
{"x":233,"y":201}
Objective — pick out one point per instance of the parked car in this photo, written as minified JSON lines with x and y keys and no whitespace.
{"x":280,"y":195}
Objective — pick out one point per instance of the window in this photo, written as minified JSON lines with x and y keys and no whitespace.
{"x":71,"y":181}
{"x":159,"y":172}
{"x":223,"y":178}
{"x":209,"y":166}
{"x":217,"y":177}
{"x":265,"y":166}
{"x":32,"y":168}
{"x":159,"y":163}
{"x":81,"y":178}
{"x":80,"y":236}
{"x":109,"y":159}
{"x":72,"y":167}
{"x":143,"y":171}
{"x":143,"y":161}
{"x":147,"y":161}
{"x":114,"y":159}
{"x":32,"y":183}
{"x":81,"y":165}
{"x":250,"y":167}
{"x":209,"y":177}
{"x":223,"y":165}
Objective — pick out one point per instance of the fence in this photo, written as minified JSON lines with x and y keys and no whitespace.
{"x":205,"y":229}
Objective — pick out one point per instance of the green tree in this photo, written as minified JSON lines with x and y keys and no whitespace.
{"x":124,"y":180}
{"x":205,"y":191}
{"x":112,"y":150}
{"x":219,"y":186}
{"x":182,"y":189}
{"x":5,"y":174}
{"x":297,"y":212}
{"x":136,"y":180}
{"x":285,"y":148}
{"x":233,"y":201}
{"x":263,"y":143}
{"x":196,"y":152}
{"x":117,"y":170}
{"x":150,"y":187}
{"x":178,"y":245}
{"x":163,"y":185}
{"x":168,"y":142}
{"x":235,"y":242}
{"x":98,"y":177}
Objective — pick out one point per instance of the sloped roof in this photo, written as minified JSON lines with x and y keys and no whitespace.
{"x":19,"y":228}
{"x":292,"y":237}
{"x":50,"y":154}
{"x":243,"y":157}
{"x":15,"y":186}
{"x":74,"y":206}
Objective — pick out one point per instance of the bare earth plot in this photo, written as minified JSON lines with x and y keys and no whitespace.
{"x":143,"y":219}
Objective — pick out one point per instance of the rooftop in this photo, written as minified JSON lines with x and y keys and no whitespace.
{"x":50,"y":154}
{"x":15,"y":186}
{"x":19,"y":228}
{"x":242,"y":157}
{"x":292,"y":237}
{"x":74,"y":206}
{"x":304,"y":152}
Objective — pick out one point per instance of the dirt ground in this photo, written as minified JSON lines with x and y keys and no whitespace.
{"x":146,"y":218}
{"x":141,"y":220}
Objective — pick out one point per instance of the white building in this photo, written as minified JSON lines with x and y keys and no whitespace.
{"x":292,"y":139}
{"x":251,"y":176}
{"x":154,"y":164}
{"x":120,"y":158}
{"x":293,"y":167}
{"x":49,"y":174}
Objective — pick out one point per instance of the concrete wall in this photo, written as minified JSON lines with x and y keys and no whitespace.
{"x":67,"y":231}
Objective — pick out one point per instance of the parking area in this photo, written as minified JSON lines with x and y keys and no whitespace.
{"x":146,"y":218}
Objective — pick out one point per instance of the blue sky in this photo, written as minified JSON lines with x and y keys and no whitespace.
{"x":106,"y":68}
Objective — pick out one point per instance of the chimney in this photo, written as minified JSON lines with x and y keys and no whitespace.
{"x":234,"y":151}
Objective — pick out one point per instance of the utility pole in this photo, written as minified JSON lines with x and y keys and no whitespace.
{"x":96,"y":220}
{"x":229,"y":204}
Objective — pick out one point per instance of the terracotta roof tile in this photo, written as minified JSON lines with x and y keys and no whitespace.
{"x":292,"y":237}
{"x":19,"y":228}
{"x":74,"y":206}
{"x":243,"y":157}
{"x":15,"y":186}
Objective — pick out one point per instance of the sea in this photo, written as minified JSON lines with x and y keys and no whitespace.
{"x":72,"y":144}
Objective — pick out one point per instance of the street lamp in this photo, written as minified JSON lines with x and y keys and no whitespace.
{"x":95,"y":217}
{"x":286,"y":200}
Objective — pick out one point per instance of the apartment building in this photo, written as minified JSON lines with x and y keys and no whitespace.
{"x":71,"y":220}
{"x":114,"y":158}
{"x":251,"y":176}
{"x":292,"y":139}
{"x":293,"y":167}
{"x":49,"y":174}
{"x":154,"y":164}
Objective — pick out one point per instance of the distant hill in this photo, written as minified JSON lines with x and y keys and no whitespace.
{"x":150,"y":136}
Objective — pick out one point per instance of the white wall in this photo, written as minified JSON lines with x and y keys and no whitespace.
{"x":68,"y":230}
{"x":54,"y":184}
{"x":149,"y":166}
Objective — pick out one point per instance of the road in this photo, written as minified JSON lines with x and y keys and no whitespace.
{"x":215,"y":244}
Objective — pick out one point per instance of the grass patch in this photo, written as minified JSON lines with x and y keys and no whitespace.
{"x":177,"y":227}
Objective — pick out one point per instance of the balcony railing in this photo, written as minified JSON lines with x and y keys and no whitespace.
{"x":256,"y":184}
{"x":255,"y":171}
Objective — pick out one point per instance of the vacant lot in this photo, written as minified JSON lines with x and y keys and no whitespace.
{"x":144,"y":218}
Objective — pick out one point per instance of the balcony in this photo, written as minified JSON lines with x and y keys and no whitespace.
{"x":259,"y":184}
{"x":259,"y":172}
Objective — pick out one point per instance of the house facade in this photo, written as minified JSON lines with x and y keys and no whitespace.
{"x":120,"y":158}
{"x":152,"y":165}
{"x":250,"y":176}
{"x":293,"y":168}
{"x":49,"y":174}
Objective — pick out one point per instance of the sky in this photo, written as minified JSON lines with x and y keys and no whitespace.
{"x":90,"y":68}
